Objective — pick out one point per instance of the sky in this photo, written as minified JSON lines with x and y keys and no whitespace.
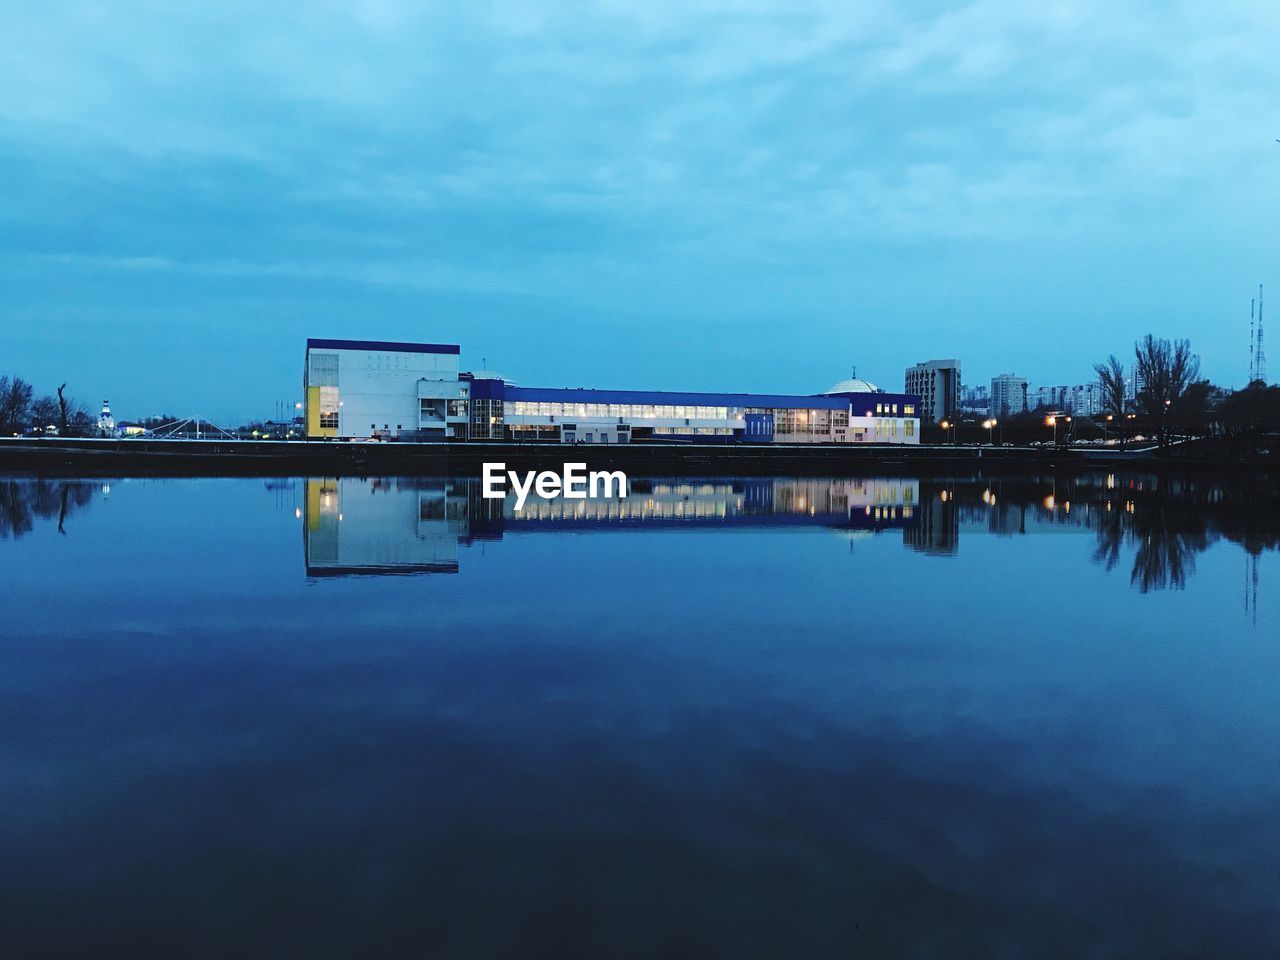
{"x":746,"y":196}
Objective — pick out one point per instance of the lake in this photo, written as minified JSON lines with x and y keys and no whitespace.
{"x":1031,"y":716}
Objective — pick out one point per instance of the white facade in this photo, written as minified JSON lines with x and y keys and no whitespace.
{"x":1082,"y":399}
{"x":364,"y":389}
{"x":1008,"y":395}
{"x":406,"y":391}
{"x":864,"y":418}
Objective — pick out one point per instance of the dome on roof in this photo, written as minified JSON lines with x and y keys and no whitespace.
{"x":852,"y":386}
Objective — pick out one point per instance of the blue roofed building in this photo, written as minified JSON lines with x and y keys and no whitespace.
{"x":359,"y":389}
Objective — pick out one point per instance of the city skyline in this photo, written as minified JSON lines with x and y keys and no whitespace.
{"x":689,"y":197}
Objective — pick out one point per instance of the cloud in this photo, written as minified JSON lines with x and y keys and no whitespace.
{"x":695,"y":159}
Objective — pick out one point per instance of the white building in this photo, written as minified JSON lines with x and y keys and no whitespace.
{"x":364,"y":389}
{"x":106,"y":422}
{"x":369,"y":388}
{"x":937,"y":384}
{"x":1008,"y":395}
{"x":1083,"y":399}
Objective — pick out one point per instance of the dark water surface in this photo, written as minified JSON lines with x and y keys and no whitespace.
{"x":859,"y":718}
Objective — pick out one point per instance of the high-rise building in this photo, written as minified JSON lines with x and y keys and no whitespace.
{"x":1008,"y":395}
{"x":974,"y":399}
{"x":1083,"y":399}
{"x":1134,"y":385}
{"x":937,"y":384}
{"x":1086,"y":399}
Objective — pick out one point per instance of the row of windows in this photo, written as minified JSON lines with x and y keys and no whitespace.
{"x":891,"y":409}
{"x":696,"y":431}
{"x":625,"y":411}
{"x":800,"y":417}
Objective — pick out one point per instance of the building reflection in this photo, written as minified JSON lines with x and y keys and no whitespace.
{"x":1152,"y":526}
{"x":1155,"y":524}
{"x":362,"y":526}
{"x":382,"y":527}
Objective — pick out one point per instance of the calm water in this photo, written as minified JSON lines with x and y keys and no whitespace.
{"x":889,"y":717}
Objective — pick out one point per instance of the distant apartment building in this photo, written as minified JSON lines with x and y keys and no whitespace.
{"x":937,"y":384}
{"x":1082,"y":399}
{"x":1008,"y":395}
{"x":974,"y":399}
{"x":1134,"y":385}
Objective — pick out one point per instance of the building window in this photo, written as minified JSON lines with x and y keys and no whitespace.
{"x":328,"y":421}
{"x":323,"y":370}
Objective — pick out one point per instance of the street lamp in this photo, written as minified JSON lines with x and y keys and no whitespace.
{"x":1052,"y":421}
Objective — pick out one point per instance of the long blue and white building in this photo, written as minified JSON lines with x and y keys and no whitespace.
{"x":361,"y":389}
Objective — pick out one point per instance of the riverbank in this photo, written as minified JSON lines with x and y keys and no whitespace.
{"x":148,"y":457}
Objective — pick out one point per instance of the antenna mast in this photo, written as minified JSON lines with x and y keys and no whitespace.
{"x":1253,"y":336}
{"x":1261,"y":360}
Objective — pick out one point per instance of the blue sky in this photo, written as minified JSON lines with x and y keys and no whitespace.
{"x":739,"y":196}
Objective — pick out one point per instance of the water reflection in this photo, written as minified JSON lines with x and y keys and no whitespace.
{"x":23,"y":502}
{"x":958,"y":738}
{"x":1154,"y":526}
{"x":407,"y":526}
{"x":366,"y":526}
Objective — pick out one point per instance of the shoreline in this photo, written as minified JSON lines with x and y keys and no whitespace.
{"x":178,"y":458}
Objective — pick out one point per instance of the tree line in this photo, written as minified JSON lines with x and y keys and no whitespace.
{"x":1175,"y":399}
{"x":22,"y":411}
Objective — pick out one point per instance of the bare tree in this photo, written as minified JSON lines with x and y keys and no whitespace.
{"x":45,"y":412}
{"x":73,"y":416}
{"x":1166,"y":369}
{"x":15,"y":404}
{"x":1111,"y":379}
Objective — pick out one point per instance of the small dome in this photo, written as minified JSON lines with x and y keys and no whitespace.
{"x":852,"y":386}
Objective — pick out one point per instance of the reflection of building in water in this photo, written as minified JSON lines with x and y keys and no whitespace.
{"x":860,"y":503}
{"x":936,"y":529}
{"x":382,"y":526}
{"x":357,"y":526}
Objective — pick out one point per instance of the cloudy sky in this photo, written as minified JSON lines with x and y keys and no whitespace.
{"x":692,"y":195}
